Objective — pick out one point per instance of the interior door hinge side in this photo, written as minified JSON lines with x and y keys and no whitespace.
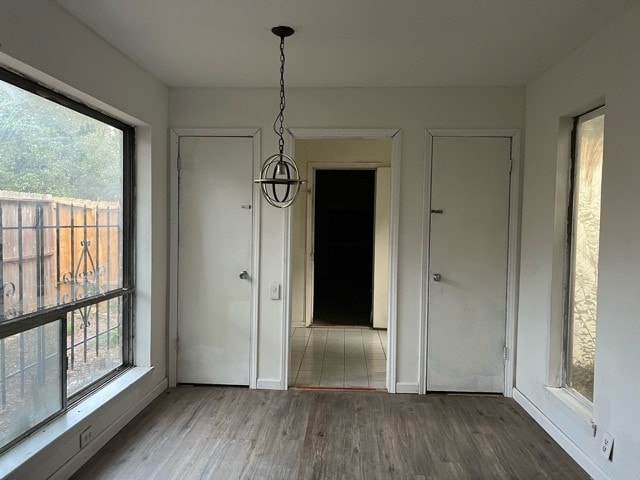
{"x":505,"y":352}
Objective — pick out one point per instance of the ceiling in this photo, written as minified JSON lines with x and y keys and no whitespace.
{"x":346,"y":43}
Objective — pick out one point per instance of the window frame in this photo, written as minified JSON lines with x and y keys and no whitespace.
{"x":126,"y":292}
{"x":570,"y":254}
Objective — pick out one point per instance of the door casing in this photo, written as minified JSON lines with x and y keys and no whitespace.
{"x":334,"y":133}
{"x":512,"y":253}
{"x":175,"y":135}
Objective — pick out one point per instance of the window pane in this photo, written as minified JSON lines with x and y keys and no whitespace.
{"x":30,"y":376}
{"x":587,"y":188}
{"x":61,"y":177}
{"x":94,"y":343}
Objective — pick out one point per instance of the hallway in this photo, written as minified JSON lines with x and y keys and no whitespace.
{"x":338,"y":357}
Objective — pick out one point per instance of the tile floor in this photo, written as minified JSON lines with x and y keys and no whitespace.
{"x":338,"y":357}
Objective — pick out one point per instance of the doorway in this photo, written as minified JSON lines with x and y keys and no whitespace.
{"x":347,"y":211}
{"x":343,"y":247}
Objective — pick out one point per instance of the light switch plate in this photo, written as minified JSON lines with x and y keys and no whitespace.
{"x":606,"y":445}
{"x":274,"y":291}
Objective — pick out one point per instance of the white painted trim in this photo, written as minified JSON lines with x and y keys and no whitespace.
{"x":512,"y":253}
{"x":286,"y":300}
{"x":473,"y":132}
{"x":174,"y":139}
{"x":513,"y":264}
{"x":80,"y":458}
{"x":309,"y":261}
{"x":351,"y":133}
{"x":269,"y":384}
{"x":394,"y":222}
{"x":406,"y":387}
{"x":556,"y":433}
{"x":309,"y":231}
{"x":172,"y":367}
{"x":256,"y":203}
{"x":424,"y":261}
{"x":394,"y":215}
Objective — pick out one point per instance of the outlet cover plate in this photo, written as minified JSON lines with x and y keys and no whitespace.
{"x":606,"y":445}
{"x":86,"y":437}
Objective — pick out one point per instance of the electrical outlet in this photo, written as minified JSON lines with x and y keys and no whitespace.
{"x":86,"y":437}
{"x":274,"y":291}
{"x":606,"y":445}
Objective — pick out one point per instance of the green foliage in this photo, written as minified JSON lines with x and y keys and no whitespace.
{"x":46,"y":148}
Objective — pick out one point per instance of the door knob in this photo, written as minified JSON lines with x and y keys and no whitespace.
{"x":437,"y":277}
{"x":244,"y":275}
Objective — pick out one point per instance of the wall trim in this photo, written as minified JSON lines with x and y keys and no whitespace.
{"x":558,"y":435}
{"x":513,"y":254}
{"x":269,"y":384}
{"x":407,"y":387}
{"x":395,"y":135}
{"x":80,"y":458}
{"x":174,"y":140}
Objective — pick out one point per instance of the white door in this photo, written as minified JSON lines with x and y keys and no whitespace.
{"x":468,"y":264}
{"x":214,"y":238}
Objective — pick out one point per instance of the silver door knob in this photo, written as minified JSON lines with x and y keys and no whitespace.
{"x":437,"y":277}
{"x":244,"y":275}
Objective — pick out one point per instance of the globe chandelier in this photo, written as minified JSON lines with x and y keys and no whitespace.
{"x":279,"y":177}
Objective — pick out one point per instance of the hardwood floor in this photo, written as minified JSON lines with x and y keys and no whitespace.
{"x":236,"y":433}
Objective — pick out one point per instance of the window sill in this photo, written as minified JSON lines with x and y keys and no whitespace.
{"x":80,"y":412}
{"x":580,"y":410}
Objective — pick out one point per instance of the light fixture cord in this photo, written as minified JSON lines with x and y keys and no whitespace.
{"x":280,"y":118}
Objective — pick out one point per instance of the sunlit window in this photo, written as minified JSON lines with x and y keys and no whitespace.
{"x":65,"y":254}
{"x":583,"y":250}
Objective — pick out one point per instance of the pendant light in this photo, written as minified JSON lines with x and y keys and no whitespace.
{"x":279,"y":177}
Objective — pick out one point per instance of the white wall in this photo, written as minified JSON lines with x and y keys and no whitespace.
{"x":39,"y":39}
{"x":411,"y":109}
{"x":325,"y":150}
{"x":606,"y":68}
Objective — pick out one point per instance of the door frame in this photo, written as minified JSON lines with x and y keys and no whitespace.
{"x":395,"y":135}
{"x":513,"y":246}
{"x":174,"y":160}
{"x":312,"y":167}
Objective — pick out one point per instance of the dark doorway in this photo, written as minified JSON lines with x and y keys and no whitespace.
{"x":343,"y":246}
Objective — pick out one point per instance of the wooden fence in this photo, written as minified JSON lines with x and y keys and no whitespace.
{"x":56,"y":250}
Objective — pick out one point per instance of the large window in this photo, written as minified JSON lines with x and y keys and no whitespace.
{"x":584,"y":235}
{"x":66,"y":282}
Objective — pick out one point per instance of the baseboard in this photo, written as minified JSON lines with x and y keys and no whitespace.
{"x":558,"y":435}
{"x":80,"y":458}
{"x":268,"y":384}
{"x":404,"y":387}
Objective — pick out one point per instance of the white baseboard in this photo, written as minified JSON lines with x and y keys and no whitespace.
{"x":80,"y":458}
{"x":268,"y":384}
{"x":404,"y":387}
{"x":558,"y":435}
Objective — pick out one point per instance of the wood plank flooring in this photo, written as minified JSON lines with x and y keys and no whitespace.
{"x":236,"y":433}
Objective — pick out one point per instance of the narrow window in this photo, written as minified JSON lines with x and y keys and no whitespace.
{"x":583,"y":247}
{"x":66,"y":283}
